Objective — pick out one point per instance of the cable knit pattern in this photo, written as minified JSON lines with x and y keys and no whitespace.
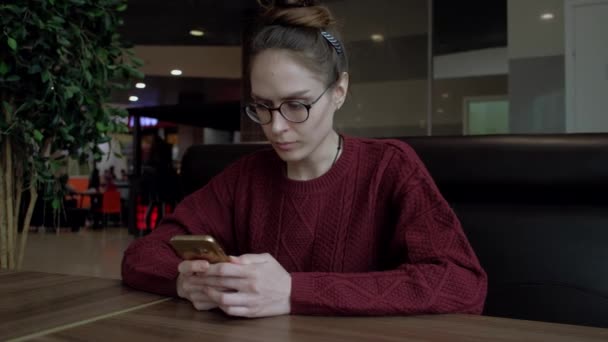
{"x":372,"y":236}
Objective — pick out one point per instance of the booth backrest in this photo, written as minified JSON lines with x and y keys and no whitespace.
{"x":534,"y":207}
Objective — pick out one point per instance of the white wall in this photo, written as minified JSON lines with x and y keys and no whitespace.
{"x":484,"y":62}
{"x":587,"y":66}
{"x":381,"y":107}
{"x":536,"y":66}
{"x":529,"y":36}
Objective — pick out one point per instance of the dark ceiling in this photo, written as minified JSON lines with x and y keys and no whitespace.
{"x":458,"y":25}
{"x":167,"y":22}
{"x":468,"y":25}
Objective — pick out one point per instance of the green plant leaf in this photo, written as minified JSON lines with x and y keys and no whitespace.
{"x":38,"y":135}
{"x":61,"y":40}
{"x":105,"y":139}
{"x":138,"y":62}
{"x":7,"y":107}
{"x":40,"y":24}
{"x":13,"y":8}
{"x":55,"y":165}
{"x":56,"y":203}
{"x":57,"y":19}
{"x":87,"y":76}
{"x":12,"y":43}
{"x":34,"y":69}
{"x":3,"y":68}
{"x":118,"y":155}
{"x":133,"y":72}
{"x":45,"y":76}
{"x":101,"y":127}
{"x":70,"y":91}
{"x":107,"y":22}
{"x":57,"y":64}
{"x":22,"y":107}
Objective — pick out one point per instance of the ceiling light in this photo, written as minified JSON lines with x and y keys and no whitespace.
{"x":377,"y":38}
{"x":176,"y":72}
{"x":197,"y":33}
{"x":140,"y":85}
{"x":547,"y":16}
{"x":133,"y":98}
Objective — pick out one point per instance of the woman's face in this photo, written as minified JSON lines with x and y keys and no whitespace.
{"x":278,"y":76}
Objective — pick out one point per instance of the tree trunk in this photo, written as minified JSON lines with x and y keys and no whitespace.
{"x":10,"y":199}
{"x":11,"y":189}
{"x":26,"y":223}
{"x":18,"y":193}
{"x":3,"y":213}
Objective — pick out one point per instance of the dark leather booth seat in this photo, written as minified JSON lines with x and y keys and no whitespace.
{"x":534,"y":207}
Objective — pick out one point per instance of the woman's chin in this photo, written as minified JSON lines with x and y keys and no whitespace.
{"x":288,"y":156}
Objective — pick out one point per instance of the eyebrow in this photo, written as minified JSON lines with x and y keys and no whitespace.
{"x":296,"y":94}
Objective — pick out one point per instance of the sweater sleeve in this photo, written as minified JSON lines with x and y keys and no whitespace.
{"x":439,"y":272}
{"x":150,"y":264}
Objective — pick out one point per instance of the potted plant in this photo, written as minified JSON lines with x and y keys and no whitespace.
{"x":59,"y":61}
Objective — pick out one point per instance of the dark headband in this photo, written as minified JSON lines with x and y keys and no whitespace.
{"x":332,"y":41}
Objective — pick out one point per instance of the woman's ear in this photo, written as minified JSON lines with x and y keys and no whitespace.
{"x":340,"y":90}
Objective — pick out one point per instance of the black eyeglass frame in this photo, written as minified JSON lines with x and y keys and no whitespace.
{"x":256,"y":119}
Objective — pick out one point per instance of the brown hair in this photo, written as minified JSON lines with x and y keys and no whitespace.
{"x":296,"y":26}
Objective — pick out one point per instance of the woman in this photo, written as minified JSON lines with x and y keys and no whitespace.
{"x":325,"y":223}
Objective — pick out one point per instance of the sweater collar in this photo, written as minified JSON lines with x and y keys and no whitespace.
{"x":335,"y":175}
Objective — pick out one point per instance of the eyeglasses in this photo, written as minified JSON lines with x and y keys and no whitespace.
{"x":292,"y":111}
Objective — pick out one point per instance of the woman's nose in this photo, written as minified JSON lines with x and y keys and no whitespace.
{"x":279,"y":124}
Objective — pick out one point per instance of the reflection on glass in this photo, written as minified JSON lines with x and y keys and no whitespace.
{"x":387,"y":42}
{"x":486,"y":116}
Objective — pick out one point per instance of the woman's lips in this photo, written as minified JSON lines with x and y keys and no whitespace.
{"x":285,"y":146}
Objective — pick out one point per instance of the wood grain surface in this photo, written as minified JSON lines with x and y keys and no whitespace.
{"x":176,"y":320}
{"x":32,"y":302}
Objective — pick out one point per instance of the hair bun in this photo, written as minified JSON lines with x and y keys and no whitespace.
{"x":302,"y":13}
{"x":288,"y":3}
{"x":299,"y":3}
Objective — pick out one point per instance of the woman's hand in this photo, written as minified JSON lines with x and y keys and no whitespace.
{"x":190,"y":285}
{"x":261,"y":286}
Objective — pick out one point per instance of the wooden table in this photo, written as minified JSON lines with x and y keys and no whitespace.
{"x":177,"y":321}
{"x":36,"y":303}
{"x":50,"y":307}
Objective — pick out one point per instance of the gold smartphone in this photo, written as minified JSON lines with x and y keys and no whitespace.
{"x":199,"y":247}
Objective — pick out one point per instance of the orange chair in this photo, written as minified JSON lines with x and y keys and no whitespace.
{"x":111,"y":205}
{"x":81,"y":184}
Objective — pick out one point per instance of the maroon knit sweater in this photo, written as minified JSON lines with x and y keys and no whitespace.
{"x":372,"y":236}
